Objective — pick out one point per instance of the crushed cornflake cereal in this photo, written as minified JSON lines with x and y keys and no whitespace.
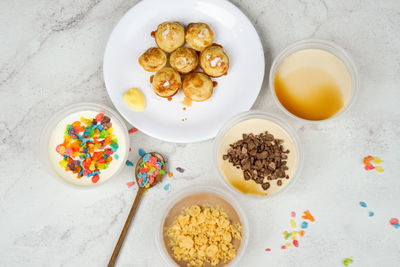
{"x":88,"y":147}
{"x":203,"y":235}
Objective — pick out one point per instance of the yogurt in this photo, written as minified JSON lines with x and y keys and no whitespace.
{"x":57,"y":138}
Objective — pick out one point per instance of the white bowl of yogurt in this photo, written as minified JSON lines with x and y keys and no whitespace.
{"x":85,"y":144}
{"x":256,"y":122}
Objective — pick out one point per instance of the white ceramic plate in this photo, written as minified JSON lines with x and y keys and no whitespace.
{"x":162,"y":119}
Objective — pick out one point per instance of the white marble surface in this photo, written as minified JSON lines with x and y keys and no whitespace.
{"x":51,"y":55}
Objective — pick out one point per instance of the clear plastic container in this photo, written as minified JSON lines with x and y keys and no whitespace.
{"x":256,"y":114}
{"x":327,"y":46}
{"x":190,"y":191}
{"x":82,"y":107}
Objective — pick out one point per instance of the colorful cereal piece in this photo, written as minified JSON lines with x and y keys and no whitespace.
{"x":347,"y":261}
{"x":371,"y":213}
{"x":304,"y":225}
{"x":296,"y":243}
{"x":367,"y":160}
{"x":166,"y":187}
{"x":293,"y":214}
{"x":141,"y":152}
{"x":377,"y":160}
{"x":268,"y":249}
{"x":170,"y":174}
{"x":307,"y":216}
{"x":128,"y":163}
{"x":394,"y":221}
{"x":379,"y":169}
{"x":363,"y":204}
{"x":293,"y":223}
{"x":132,"y":130}
{"x":283,"y":247}
{"x":130,"y":184}
{"x":301,"y":233}
{"x":369,"y":167}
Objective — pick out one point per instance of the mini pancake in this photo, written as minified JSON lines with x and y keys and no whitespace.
{"x":169,"y":36}
{"x":214,"y":61}
{"x":199,"y":36}
{"x":184,"y":60}
{"x":166,"y":82}
{"x":197,"y":86}
{"x":153,"y":59}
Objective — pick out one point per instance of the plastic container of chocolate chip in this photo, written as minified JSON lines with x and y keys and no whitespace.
{"x":53,"y":137}
{"x":257,"y":154}
{"x":203,"y":196}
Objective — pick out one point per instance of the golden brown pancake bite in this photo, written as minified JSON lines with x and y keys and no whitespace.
{"x":199,"y":36}
{"x":197,"y":86}
{"x":153,"y":59}
{"x":184,"y":60}
{"x":169,"y":36}
{"x":166,"y":82}
{"x":214,"y":61}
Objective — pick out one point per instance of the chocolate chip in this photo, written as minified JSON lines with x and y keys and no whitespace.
{"x":260,"y":157}
{"x":265,"y":186}
{"x":279,"y":182}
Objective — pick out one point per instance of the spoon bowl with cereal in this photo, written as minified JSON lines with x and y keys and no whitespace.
{"x":149,"y":171}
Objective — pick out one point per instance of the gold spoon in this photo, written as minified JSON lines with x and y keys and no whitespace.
{"x":135,"y":204}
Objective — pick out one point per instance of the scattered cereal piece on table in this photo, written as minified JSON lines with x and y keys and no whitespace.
{"x":304,"y":225}
{"x":267,"y":249}
{"x":132,"y":130}
{"x":283,"y":247}
{"x":128,"y":163}
{"x":307,"y":216}
{"x":379,"y":169}
{"x":363,"y":204}
{"x":293,"y":224}
{"x":371,"y":213}
{"x":394,"y":221}
{"x":141,"y":152}
{"x":367,"y":159}
{"x":130,"y":184}
{"x":170,"y":174}
{"x":369,"y":167}
{"x":296,"y":243}
{"x":301,"y":232}
{"x":293,"y":214}
{"x":179,"y":169}
{"x":377,"y":160}
{"x":347,"y":261}
{"x":166,"y":187}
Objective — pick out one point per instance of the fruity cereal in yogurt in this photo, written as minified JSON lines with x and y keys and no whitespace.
{"x":84,"y":147}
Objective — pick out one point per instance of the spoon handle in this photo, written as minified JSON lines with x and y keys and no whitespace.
{"x":121,"y":239}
